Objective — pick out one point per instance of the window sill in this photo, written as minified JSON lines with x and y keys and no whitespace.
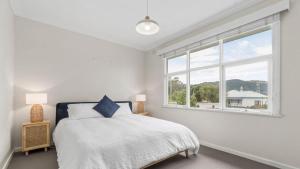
{"x":253,"y":113}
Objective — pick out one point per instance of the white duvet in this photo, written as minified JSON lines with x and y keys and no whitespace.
{"x":123,"y":142}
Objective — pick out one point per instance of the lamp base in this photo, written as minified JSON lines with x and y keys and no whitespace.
{"x":140,"y":107}
{"x":36,"y":114}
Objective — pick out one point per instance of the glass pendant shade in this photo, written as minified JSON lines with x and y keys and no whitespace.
{"x":147,"y":26}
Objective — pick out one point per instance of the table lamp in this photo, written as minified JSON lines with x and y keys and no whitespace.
{"x":140,"y":99}
{"x":36,"y":100}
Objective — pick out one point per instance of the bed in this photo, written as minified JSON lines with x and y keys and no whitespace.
{"x":126,"y":141}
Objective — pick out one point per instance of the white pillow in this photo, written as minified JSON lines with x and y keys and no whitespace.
{"x":123,"y":109}
{"x":82,"y":111}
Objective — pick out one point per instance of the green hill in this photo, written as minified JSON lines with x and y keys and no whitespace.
{"x":235,"y":84}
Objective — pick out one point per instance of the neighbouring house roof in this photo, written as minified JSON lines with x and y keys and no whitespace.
{"x":244,"y":94}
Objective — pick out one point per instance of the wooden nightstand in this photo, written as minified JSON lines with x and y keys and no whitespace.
{"x":145,"y":114}
{"x":35,"y":136}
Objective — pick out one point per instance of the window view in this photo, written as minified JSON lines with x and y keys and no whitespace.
{"x":204,"y":83}
{"x":247,"y":86}
{"x":232,"y":74}
{"x":205,"y":57}
{"x":177,"y":64}
{"x":204,"y":86}
{"x":239,"y":48}
{"x":177,"y":90}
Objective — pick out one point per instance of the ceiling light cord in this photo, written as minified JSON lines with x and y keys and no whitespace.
{"x":147,"y":8}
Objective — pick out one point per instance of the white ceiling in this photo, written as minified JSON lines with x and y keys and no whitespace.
{"x":114,"y":20}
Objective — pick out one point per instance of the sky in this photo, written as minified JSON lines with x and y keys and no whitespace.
{"x":256,"y":45}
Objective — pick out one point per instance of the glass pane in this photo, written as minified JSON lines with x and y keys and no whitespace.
{"x":205,"y":88}
{"x":255,"y":45}
{"x":247,"y":86}
{"x":177,"y":64}
{"x":177,"y":90}
{"x":204,"y":57}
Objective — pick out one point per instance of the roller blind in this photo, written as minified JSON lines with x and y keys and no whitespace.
{"x":264,"y":22}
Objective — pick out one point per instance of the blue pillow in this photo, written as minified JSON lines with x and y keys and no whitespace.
{"x":106,"y":107}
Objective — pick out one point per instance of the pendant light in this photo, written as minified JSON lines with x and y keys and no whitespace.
{"x":147,"y":26}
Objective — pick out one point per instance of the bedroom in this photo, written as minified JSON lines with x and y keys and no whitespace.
{"x":215,"y":83}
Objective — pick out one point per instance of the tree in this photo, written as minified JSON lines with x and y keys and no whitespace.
{"x":177,"y":91}
{"x":179,"y":97}
{"x":193,"y":101}
{"x":206,"y":92}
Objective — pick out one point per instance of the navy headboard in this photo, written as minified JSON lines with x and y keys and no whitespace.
{"x":62,"y":108}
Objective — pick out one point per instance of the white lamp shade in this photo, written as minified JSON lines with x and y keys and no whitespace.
{"x":147,"y":27}
{"x":36,"y":98}
{"x":140,"y":98}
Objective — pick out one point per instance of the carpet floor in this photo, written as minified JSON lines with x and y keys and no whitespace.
{"x":207,"y":159}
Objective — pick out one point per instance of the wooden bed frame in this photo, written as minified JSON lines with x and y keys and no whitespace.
{"x":155,"y":162}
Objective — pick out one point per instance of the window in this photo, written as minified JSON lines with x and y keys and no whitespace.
{"x":248,"y":83}
{"x":204,"y":86}
{"x":231,"y":74}
{"x":251,"y":46}
{"x":177,"y":83}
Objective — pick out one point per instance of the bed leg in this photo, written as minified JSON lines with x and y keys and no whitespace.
{"x":186,"y":153}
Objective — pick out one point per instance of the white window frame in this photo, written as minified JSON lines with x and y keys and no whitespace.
{"x":273,"y":81}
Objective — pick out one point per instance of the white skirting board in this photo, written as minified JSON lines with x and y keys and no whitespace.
{"x":248,"y":156}
{"x":7,"y":161}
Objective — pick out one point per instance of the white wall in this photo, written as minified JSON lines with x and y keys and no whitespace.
{"x":70,"y":67}
{"x":276,"y":139}
{"x":6,"y":78}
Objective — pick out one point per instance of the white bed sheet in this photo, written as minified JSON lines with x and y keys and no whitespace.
{"x":123,"y":142}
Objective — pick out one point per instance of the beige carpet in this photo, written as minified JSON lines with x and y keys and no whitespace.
{"x":207,"y":159}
